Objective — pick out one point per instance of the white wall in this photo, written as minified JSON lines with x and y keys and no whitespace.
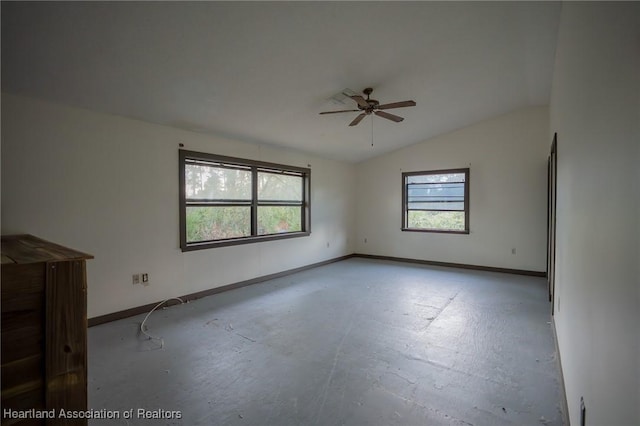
{"x":595,"y":109}
{"x":109,"y":186}
{"x":507,"y":157}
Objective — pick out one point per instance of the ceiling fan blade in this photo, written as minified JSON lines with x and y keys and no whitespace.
{"x":358,"y":119}
{"x":342,"y":110}
{"x":361,"y":101}
{"x":388,"y":116}
{"x":397,"y":105}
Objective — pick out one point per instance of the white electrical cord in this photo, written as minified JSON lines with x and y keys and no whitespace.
{"x":142,"y":325}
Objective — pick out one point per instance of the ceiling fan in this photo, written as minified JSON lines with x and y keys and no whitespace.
{"x":368,"y":106}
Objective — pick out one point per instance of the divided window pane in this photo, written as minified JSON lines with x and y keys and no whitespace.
{"x":211,"y":182}
{"x":227,"y":201}
{"x":436,"y":220}
{"x":436,"y":201}
{"x":217,"y":223}
{"x":279,"y":187}
{"x":436,"y":195}
{"x":279,"y":219}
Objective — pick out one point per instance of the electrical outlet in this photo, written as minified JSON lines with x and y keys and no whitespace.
{"x":365,"y":240}
{"x":328,"y":245}
{"x":136,"y":279}
{"x":513,"y":250}
{"x":145,"y":278}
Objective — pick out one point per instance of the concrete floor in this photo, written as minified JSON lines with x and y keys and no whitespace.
{"x":358,"y":342}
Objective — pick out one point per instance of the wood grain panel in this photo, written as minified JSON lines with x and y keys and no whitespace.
{"x":66,"y":336}
{"x":23,"y":342}
{"x":25,"y":401}
{"x":22,"y":288}
{"x":25,"y":370}
{"x":25,"y":249}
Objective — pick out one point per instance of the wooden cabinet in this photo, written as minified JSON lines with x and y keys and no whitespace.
{"x":44,"y":329}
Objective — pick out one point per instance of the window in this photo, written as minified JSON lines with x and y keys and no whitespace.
{"x":226,"y":201}
{"x":436,"y":201}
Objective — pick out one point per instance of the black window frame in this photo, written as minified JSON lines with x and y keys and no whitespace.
{"x":255,"y":166}
{"x":405,"y":204}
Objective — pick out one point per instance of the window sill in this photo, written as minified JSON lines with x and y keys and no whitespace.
{"x":436,"y":231}
{"x":244,"y":240}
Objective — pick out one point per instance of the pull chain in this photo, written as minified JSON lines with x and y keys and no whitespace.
{"x":372,"y":131}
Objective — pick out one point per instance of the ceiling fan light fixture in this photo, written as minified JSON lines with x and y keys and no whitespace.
{"x":348,"y":92}
{"x":340,"y":98}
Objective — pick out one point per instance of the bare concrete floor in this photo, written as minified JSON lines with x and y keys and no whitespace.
{"x":358,"y":342}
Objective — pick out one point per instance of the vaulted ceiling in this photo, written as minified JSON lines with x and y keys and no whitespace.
{"x":262,"y":71}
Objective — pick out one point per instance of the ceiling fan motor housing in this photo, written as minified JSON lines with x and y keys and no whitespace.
{"x":373,"y":103}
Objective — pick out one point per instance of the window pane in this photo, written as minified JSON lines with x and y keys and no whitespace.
{"x":217,"y":183}
{"x":436,"y":178}
{"x":437,"y":206}
{"x":217,"y":223}
{"x":279,"y":219}
{"x":442,"y":221}
{"x":436,"y":196}
{"x":279,"y":187}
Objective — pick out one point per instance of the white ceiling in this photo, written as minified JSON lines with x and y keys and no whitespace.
{"x":262,"y":71}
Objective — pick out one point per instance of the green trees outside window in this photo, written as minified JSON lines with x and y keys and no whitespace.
{"x":226,"y":201}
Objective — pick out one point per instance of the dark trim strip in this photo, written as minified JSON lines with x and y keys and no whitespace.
{"x":199,"y":245}
{"x":437,"y":231}
{"x":218,"y":204}
{"x":146,"y":308}
{"x":563,"y":397}
{"x":454,"y":265}
{"x":244,"y":163}
{"x":435,"y":210}
{"x":436,"y":172}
